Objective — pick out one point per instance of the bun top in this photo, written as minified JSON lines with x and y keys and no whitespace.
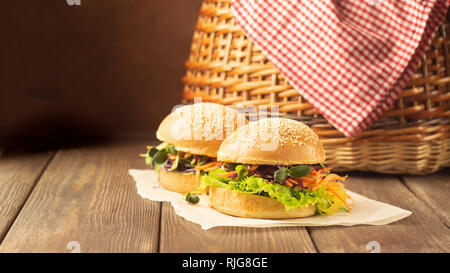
{"x":199,"y":128}
{"x":273,"y":141}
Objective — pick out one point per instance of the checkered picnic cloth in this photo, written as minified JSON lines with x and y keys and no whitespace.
{"x":349,"y":58}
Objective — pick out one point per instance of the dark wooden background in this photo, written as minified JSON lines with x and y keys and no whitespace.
{"x":102,"y":69}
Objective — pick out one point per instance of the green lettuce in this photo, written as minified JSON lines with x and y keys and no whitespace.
{"x":291,"y":198}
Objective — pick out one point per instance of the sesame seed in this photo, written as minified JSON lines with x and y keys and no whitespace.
{"x":281,"y":130}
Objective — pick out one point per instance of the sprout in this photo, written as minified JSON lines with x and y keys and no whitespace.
{"x":192,"y":198}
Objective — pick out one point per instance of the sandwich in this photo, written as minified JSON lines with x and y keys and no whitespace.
{"x":273,"y":169}
{"x":191,"y":136}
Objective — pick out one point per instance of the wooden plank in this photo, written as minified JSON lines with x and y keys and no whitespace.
{"x":423,"y":231}
{"x":180,"y":235}
{"x":86,"y":198}
{"x":20,"y":168}
{"x":50,"y":83}
{"x":434,"y":190}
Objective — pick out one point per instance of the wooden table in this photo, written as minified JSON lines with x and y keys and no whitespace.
{"x":55,"y":197}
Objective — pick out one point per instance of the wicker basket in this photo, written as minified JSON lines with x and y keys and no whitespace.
{"x":412,"y":137}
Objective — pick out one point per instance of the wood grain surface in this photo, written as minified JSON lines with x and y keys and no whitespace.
{"x":423,"y":231}
{"x":20,"y":170}
{"x":433,"y":190}
{"x":84,"y":195}
{"x":104,"y":68}
{"x":87,"y":196}
{"x":179,"y":235}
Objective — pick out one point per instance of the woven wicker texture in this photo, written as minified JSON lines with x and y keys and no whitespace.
{"x":412,"y":137}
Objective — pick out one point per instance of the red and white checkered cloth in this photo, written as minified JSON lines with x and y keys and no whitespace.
{"x":349,"y":58}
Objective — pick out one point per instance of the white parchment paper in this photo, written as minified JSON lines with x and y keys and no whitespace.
{"x":364,"y":210}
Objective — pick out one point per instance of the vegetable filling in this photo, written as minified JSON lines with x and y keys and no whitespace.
{"x":293,"y":186}
{"x":166,"y":157}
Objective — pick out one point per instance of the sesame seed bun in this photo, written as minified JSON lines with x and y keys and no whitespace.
{"x":178,"y":182}
{"x":272,"y":141}
{"x":253,"y":206}
{"x":199,"y":128}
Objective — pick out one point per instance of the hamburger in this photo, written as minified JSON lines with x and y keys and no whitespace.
{"x":191,"y":136}
{"x":273,"y":169}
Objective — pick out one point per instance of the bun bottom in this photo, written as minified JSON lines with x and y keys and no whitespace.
{"x":253,"y":206}
{"x":178,"y":182}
